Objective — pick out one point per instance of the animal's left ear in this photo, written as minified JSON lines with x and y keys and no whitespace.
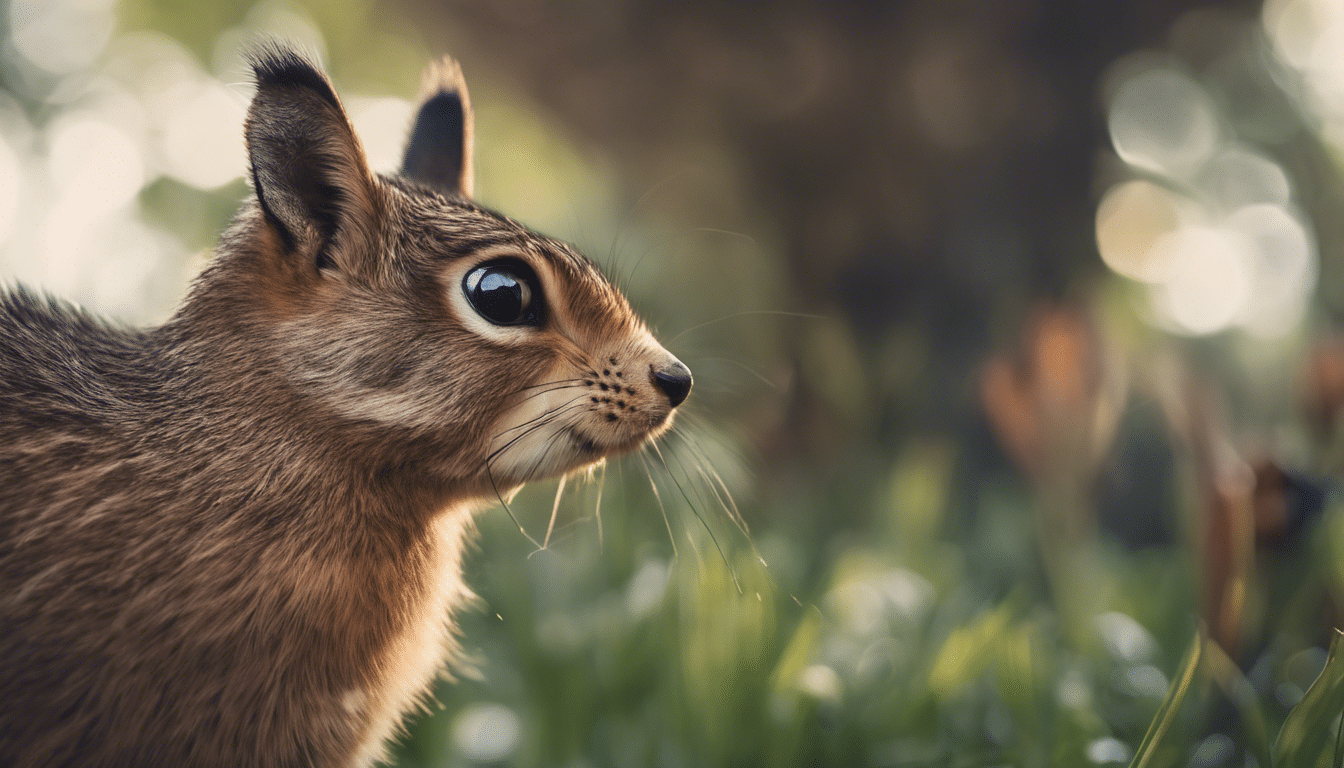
{"x":311,"y":179}
{"x":439,"y":151}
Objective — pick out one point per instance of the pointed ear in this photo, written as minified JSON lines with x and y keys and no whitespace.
{"x":311,"y":178}
{"x":439,"y":151}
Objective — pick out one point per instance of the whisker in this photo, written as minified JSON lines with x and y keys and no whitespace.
{"x":506,"y":506}
{"x":630,"y":277}
{"x":712,"y":479}
{"x":741,"y":365}
{"x":549,"y":417}
{"x":597,"y":509}
{"x":672,"y":475}
{"x":545,"y":392}
{"x":704,"y":465}
{"x":547,"y":384}
{"x":717,"y":231}
{"x":555,"y":510}
{"x":707,"y":432}
{"x":745,"y":314}
{"x":672,"y":539}
{"x":729,"y":510}
{"x":544,"y":453}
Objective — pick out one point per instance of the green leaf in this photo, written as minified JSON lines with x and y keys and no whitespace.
{"x":1166,"y":714}
{"x":1305,"y":741}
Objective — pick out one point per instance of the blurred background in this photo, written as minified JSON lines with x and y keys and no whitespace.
{"x":1016,"y":327}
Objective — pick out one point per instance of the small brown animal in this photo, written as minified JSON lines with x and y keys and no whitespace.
{"x":235,"y":539}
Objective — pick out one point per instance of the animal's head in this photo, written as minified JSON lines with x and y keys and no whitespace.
{"x":402,"y":309}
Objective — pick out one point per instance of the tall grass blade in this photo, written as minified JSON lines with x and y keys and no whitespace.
{"x":1306,"y":733}
{"x":1166,"y":714}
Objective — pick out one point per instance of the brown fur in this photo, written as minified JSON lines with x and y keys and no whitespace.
{"x":235,"y":539}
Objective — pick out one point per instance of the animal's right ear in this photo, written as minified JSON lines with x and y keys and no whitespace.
{"x":440,"y":147}
{"x":311,"y":178}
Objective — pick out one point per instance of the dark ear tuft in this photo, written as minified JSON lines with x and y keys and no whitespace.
{"x":308,"y":168}
{"x":275,"y":66}
{"x":440,"y":147}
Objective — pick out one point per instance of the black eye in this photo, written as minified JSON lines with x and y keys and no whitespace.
{"x":505,"y":293}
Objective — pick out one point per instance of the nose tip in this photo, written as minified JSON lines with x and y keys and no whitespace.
{"x":675,"y":382}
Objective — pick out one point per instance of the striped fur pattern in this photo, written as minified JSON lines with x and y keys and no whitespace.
{"x":235,"y":539}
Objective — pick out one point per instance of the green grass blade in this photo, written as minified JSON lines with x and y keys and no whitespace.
{"x":1339,"y":745}
{"x":1306,"y":733}
{"x":1166,"y":714}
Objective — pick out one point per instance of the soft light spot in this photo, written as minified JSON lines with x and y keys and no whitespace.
{"x":1217,"y":749}
{"x":1238,"y":177}
{"x":1130,"y":220}
{"x":95,"y":165}
{"x":202,"y":139}
{"x":1125,"y":638}
{"x":858,"y":605}
{"x":1283,"y":268}
{"x":61,"y":36}
{"x":1108,"y":750}
{"x":908,"y":593}
{"x":383,"y":124}
{"x":1073,"y":690}
{"x":1144,"y":680}
{"x":1210,"y":279}
{"x":486,"y":732}
{"x":1162,"y":120}
{"x":821,"y":682}
{"x":646,"y":589}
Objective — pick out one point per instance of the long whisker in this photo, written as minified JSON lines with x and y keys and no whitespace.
{"x":545,"y":451}
{"x":705,"y":467}
{"x":597,"y":509}
{"x":672,"y":475}
{"x":745,"y":314}
{"x":716,"y":484}
{"x":508,"y":509}
{"x":547,"y":384}
{"x":544,"y":419}
{"x":555,"y":511}
{"x":638,"y":262}
{"x":741,"y":365}
{"x":699,"y":421}
{"x":539,"y":393}
{"x":659,"y":498}
{"x":716,"y":231}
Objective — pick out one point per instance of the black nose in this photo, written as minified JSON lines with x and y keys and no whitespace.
{"x":675,"y":381}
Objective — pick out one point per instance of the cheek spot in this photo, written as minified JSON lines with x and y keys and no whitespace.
{"x":611,"y":417}
{"x":604,"y":387}
{"x":594,"y":398}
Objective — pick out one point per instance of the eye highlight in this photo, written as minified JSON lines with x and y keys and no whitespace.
{"x":505,"y":292}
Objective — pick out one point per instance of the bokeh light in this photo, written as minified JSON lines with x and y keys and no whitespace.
{"x":486,"y":733}
{"x":1212,"y":231}
{"x":1163,"y":121}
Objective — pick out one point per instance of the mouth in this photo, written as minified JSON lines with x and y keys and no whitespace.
{"x":590,"y":449}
